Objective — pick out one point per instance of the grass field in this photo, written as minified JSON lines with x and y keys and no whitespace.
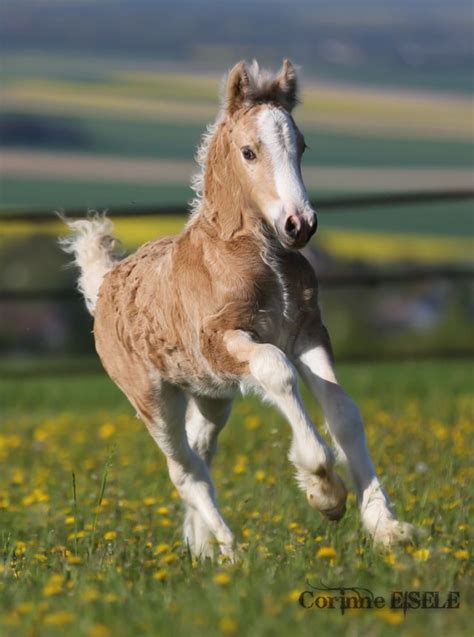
{"x":109,"y":561}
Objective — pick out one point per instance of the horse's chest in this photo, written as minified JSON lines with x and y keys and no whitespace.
{"x":289,"y":300}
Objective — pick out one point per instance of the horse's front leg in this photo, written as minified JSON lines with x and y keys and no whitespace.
{"x":343,"y":420}
{"x":272,"y":374}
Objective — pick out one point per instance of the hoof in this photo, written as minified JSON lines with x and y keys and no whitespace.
{"x":335,"y":513}
{"x":391,"y":532}
{"x":327,"y":495}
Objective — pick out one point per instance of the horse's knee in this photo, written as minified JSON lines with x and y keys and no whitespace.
{"x":272,"y":369}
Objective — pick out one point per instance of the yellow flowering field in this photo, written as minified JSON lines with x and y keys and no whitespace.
{"x":90,"y":524}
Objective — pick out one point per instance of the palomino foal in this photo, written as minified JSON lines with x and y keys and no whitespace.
{"x":231,"y":303}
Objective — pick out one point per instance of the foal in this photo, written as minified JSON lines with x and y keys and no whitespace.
{"x":231,"y":303}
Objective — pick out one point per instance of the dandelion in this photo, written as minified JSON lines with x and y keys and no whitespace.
{"x":223,"y":579}
{"x":228,"y":626}
{"x":240,"y":468}
{"x":90,"y":594}
{"x":40,"y":435}
{"x":110,"y":536}
{"x":163,"y":510}
{"x":106,"y":431}
{"x":99,"y":630}
{"x":421,"y":555}
{"x":18,"y":477}
{"x":392,"y":617}
{"x":169,"y":559}
{"x":60,"y":618}
{"x":293,"y":596}
{"x":165,"y":523}
{"x":252,"y":422}
{"x":139,"y":528}
{"x":69,"y":519}
{"x":161,"y":575}
{"x":24,"y":608}
{"x":326,"y":551}
{"x":462,"y":554}
{"x":260,"y":475}
{"x":77,"y":536}
{"x":390,"y":559}
{"x":20,"y":548}
{"x":161,"y":548}
{"x":54,"y":586}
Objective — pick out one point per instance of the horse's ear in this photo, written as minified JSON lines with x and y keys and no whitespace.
{"x":238,"y":83}
{"x":288,"y":84}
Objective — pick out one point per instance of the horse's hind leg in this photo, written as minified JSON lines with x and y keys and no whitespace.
{"x":188,"y":470}
{"x":205,"y":418}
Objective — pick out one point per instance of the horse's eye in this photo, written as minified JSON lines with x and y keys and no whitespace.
{"x":248,"y":154}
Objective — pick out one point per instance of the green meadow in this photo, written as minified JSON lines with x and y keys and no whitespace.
{"x":90,"y":540}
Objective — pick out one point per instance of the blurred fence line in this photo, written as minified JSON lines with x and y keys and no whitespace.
{"x":372,"y":277}
{"x":347,"y":276}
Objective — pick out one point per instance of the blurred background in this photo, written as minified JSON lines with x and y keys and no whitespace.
{"x":103,"y":104}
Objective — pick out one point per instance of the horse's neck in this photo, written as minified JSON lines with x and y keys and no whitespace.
{"x":226,"y":220}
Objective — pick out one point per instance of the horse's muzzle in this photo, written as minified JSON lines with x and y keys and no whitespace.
{"x":296,"y":230}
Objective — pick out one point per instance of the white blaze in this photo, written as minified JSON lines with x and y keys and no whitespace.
{"x":278,"y":135}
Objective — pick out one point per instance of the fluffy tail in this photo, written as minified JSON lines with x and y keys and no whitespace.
{"x":93,"y":247}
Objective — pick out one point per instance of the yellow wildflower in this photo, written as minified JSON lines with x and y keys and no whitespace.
{"x":221,"y":578}
{"x":293,"y":596}
{"x":60,"y":618}
{"x":90,"y":594}
{"x":326,"y":551}
{"x":162,"y":548}
{"x":169,"y":559}
{"x":228,"y":626}
{"x":252,"y":422}
{"x":107,"y":431}
{"x":18,"y":476}
{"x":422,"y":555}
{"x":161,"y":575}
{"x":462,"y":554}
{"x":99,"y":630}
{"x":110,"y":536}
{"x":390,"y":616}
{"x":162,"y":510}
{"x":20,"y":548}
{"x":165,"y":522}
{"x":77,"y":536}
{"x":24,"y":608}
{"x":54,"y":585}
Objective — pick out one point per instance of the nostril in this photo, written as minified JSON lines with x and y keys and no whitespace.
{"x":292,"y":226}
{"x":313,"y":227}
